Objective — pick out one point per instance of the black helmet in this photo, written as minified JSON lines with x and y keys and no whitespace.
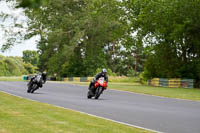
{"x":104,"y":71}
{"x":44,"y":73}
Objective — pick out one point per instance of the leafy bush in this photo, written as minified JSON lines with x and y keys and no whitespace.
{"x":143,"y":79}
{"x":132,"y":73}
{"x":30,"y":68}
{"x":14,"y":66}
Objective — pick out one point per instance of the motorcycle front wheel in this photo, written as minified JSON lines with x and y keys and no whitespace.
{"x":29,"y":89}
{"x":98,"y":92}
{"x":34,"y":87}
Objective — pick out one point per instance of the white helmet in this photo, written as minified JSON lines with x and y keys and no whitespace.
{"x":104,"y":71}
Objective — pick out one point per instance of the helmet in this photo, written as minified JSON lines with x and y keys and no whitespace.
{"x":104,"y":71}
{"x":44,"y":73}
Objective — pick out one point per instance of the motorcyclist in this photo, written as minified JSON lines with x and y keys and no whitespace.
{"x":43,"y":79}
{"x":103,"y":74}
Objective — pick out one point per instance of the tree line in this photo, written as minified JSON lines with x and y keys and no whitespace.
{"x":18,"y":66}
{"x":159,"y":38}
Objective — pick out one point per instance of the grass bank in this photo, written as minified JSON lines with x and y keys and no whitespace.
{"x":12,"y":78}
{"x":124,"y":79}
{"x":181,"y":93}
{"x":18,"y":115}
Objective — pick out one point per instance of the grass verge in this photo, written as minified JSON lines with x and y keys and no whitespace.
{"x":18,"y":115}
{"x":17,"y":78}
{"x":181,"y":93}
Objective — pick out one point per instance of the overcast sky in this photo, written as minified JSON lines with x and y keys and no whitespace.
{"x":19,"y":48}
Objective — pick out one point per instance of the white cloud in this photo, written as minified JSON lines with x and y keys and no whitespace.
{"x":19,"y":48}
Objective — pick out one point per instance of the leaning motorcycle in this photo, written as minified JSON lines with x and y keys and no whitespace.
{"x":99,"y":87}
{"x":34,"y":84}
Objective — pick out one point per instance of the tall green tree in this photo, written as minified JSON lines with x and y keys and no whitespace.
{"x":74,"y":34}
{"x":170,"y":32}
{"x":77,"y":37}
{"x":31,"y":56}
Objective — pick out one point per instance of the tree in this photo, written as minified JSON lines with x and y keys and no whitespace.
{"x":76,"y":37}
{"x":169,"y":29}
{"x":31,"y":57}
{"x":12,"y":66}
{"x":30,"y":68}
{"x":74,"y":34}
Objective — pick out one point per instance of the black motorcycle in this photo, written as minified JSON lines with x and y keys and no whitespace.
{"x":34,"y":83}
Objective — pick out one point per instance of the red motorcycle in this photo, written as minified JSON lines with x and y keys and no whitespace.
{"x":99,"y":86}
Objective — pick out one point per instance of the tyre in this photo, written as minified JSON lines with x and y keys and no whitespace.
{"x":34,"y":88}
{"x":96,"y":97}
{"x":98,"y":92}
{"x":29,"y":89}
{"x":32,"y":91}
{"x":89,"y":96}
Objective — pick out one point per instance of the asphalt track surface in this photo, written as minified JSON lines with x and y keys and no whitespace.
{"x":156,"y":113}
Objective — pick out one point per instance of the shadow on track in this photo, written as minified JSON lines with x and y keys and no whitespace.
{"x":37,"y":93}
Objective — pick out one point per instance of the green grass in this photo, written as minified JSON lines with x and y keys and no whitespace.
{"x":16,"y":78}
{"x":181,"y":93}
{"x":18,"y":115}
{"x":124,"y":79}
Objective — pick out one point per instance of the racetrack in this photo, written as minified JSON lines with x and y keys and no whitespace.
{"x":156,"y":113}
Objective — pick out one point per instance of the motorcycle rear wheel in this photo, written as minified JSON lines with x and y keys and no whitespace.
{"x":89,"y":96}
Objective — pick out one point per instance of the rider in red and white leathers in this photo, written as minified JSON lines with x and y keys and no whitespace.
{"x":103,"y":74}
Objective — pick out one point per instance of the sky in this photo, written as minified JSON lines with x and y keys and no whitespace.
{"x":17,"y":49}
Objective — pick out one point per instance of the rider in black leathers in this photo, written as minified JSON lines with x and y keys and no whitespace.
{"x":103,"y":74}
{"x":43,"y":79}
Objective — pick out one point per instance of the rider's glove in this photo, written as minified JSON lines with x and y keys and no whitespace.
{"x":94,"y":80}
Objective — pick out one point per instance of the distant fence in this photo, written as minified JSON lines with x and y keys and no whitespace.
{"x":119,"y":79}
{"x":27,"y":77}
{"x":110,"y":79}
{"x":30,"y":76}
{"x":78,"y":79}
{"x":173,"y":83}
